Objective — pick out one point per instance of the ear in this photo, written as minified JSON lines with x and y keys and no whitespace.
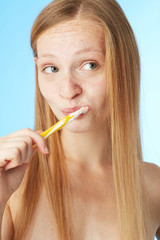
{"x":35,"y":60}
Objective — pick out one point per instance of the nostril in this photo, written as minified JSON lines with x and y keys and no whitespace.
{"x":70,"y":91}
{"x":76,"y":95}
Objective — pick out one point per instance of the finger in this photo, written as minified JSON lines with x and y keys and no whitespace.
{"x":16,"y":162}
{"x":25,"y":150}
{"x":31,"y":153}
{"x":3,"y":162}
{"x":37,"y":138}
{"x":10,"y":166}
{"x":24,"y":144}
{"x":39,"y":131}
{"x":12,"y":155}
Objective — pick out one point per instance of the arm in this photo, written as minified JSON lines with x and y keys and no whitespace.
{"x":6,"y":223}
{"x":2,"y":206}
{"x":16,"y":151}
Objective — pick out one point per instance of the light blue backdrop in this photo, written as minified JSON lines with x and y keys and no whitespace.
{"x":17,"y":67}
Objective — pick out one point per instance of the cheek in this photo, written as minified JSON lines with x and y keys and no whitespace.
{"x":101,"y":100}
{"x":100,"y":91}
{"x":47,"y":90}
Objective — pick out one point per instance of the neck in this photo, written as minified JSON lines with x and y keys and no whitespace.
{"x":90,"y":150}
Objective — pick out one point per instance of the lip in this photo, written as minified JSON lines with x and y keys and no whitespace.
{"x":67,"y":111}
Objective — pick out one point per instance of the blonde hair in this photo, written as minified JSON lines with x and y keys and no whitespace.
{"x":123,"y":76}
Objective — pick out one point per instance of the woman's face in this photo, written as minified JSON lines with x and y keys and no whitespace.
{"x":71,"y":71}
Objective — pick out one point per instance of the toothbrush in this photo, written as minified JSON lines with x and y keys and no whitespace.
{"x":63,"y":122}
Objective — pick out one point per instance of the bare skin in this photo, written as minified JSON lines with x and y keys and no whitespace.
{"x":95,"y":216}
{"x":16,"y":151}
{"x":77,"y":77}
{"x":71,"y":72}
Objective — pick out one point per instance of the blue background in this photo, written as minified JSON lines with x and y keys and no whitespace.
{"x":17,"y":67}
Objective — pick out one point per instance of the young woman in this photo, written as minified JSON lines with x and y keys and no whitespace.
{"x":91,"y":181}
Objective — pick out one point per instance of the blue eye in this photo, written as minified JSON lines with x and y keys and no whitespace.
{"x":90,"y":66}
{"x":50,"y":69}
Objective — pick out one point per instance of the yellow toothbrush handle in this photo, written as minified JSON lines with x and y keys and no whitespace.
{"x":43,"y":134}
{"x":60,"y":124}
{"x":56,"y":127}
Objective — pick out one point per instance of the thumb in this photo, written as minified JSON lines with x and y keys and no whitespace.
{"x":39,"y":131}
{"x":34,"y":151}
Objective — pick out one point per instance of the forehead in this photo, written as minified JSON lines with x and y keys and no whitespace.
{"x":73,"y":34}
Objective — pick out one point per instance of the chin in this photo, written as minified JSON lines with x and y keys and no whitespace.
{"x":77,"y":127}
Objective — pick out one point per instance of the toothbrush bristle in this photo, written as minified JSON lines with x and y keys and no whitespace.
{"x":80,"y":111}
{"x":85,"y":109}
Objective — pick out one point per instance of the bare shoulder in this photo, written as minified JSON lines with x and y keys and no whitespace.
{"x":149,"y":167}
{"x":152,"y":177}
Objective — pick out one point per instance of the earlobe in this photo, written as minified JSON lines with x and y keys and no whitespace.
{"x":36,"y":60}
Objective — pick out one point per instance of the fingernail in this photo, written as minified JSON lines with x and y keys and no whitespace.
{"x":9,"y":166}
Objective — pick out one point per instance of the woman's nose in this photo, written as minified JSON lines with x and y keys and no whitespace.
{"x":69,"y":88}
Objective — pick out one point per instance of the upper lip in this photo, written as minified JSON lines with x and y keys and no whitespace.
{"x":70,"y":110}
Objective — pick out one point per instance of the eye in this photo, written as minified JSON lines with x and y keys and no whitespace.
{"x":90,"y":66}
{"x":50,"y":69}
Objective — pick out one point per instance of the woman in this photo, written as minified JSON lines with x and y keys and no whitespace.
{"x":91,"y":181}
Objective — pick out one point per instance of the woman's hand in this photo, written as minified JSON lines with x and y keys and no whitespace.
{"x":16,"y":150}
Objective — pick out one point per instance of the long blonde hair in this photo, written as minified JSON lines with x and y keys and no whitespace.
{"x":123,"y":76}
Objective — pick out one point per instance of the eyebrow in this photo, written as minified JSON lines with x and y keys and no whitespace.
{"x":76,"y":53}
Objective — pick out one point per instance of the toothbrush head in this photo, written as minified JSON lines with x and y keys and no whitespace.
{"x":78,"y":112}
